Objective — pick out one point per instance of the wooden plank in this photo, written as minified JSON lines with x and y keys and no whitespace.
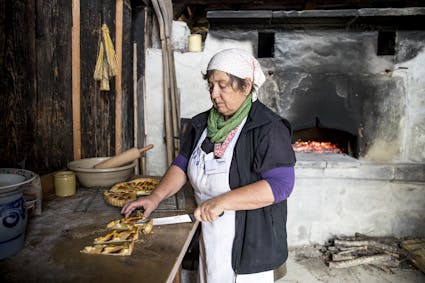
{"x":118,"y":89}
{"x":17,"y":84}
{"x":97,"y":107}
{"x":174,"y":275}
{"x":135,"y":118}
{"x":76,"y":79}
{"x":139,"y":23}
{"x":416,"y":248}
{"x":177,"y":278}
{"x":52,"y":132}
{"x":127,"y":140}
{"x":35,"y":100}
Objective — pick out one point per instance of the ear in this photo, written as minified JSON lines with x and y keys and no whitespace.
{"x":248,"y":86}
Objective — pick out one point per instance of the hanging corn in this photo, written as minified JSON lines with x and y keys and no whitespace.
{"x":110,"y":52}
{"x":99,"y":64}
{"x":106,"y":63}
{"x":104,"y":82}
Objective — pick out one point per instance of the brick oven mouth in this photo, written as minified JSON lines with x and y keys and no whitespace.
{"x":324,"y":141}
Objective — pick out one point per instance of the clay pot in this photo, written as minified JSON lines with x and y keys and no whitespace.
{"x":13,"y":214}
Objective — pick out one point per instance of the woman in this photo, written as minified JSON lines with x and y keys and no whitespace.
{"x":239,"y":160}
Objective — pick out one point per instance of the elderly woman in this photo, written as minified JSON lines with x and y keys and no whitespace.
{"x":239,"y":160}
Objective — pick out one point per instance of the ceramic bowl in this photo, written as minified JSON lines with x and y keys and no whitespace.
{"x":88,"y":176}
{"x":13,"y":179}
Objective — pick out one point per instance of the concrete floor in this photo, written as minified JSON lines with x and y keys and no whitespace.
{"x":305,"y":265}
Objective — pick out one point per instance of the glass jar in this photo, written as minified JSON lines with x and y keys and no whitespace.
{"x":65,"y":184}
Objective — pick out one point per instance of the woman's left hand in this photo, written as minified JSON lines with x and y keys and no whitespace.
{"x":209,"y":210}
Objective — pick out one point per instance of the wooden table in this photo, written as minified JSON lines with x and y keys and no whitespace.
{"x":54,"y":240}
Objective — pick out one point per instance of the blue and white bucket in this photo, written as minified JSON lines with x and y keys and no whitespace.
{"x":13,"y":214}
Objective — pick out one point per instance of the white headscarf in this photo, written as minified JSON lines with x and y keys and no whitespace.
{"x":241,"y":64}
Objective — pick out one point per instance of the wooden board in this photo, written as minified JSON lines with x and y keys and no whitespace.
{"x":54,"y":241}
{"x":417,"y":250}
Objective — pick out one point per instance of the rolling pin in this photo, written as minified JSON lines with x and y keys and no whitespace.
{"x":123,"y":158}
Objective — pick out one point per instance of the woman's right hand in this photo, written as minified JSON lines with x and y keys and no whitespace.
{"x":149,"y":204}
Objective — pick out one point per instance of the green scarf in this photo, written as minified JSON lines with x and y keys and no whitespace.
{"x":218,"y":129}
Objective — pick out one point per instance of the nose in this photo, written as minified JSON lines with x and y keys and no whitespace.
{"x":215,"y":91}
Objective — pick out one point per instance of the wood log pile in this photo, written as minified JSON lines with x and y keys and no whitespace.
{"x":347,"y":251}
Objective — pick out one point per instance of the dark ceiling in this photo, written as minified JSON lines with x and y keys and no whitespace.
{"x":194,"y":11}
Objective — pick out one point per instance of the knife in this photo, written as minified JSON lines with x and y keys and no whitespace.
{"x":183,"y":218}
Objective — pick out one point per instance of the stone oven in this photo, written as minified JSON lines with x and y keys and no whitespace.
{"x":333,"y":86}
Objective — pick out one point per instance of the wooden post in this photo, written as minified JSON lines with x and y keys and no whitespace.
{"x":76,"y":80}
{"x":118,"y":89}
{"x":135,"y":119}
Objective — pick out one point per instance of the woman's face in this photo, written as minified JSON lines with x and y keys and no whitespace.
{"x":226,"y":98}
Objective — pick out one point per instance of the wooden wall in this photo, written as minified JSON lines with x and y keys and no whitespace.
{"x":35,"y":86}
{"x":17,"y":81}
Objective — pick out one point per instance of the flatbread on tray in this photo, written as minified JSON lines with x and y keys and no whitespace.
{"x":124,"y":249}
{"x":118,"y":237}
{"x":130,"y":223}
{"x":120,"y":240}
{"x":123,"y":192}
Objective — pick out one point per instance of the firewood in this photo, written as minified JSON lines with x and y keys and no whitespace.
{"x":374,"y":259}
{"x":353,"y":250}
{"x":356,"y":243}
{"x":416,"y":249}
{"x":383,"y":239}
{"x":363,"y":237}
{"x":372,"y":243}
{"x":332,"y":249}
{"x":346,"y":251}
{"x":342,"y":257}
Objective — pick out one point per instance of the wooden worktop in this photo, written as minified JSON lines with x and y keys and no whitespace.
{"x":54,"y":240}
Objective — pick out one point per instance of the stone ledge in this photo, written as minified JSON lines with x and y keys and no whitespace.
{"x":340,"y":166}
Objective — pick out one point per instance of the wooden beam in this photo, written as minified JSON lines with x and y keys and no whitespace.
{"x":76,"y":80}
{"x":135,"y":112}
{"x":310,"y":5}
{"x":118,"y":77}
{"x":178,"y":8}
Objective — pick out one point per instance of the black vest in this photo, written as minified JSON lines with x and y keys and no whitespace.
{"x":260,"y":242}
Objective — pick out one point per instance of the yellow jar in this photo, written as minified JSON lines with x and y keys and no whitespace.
{"x":65,"y":184}
{"x":195,"y":43}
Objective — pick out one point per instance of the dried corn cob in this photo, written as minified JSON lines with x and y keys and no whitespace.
{"x":98,"y":71}
{"x":110,"y":52}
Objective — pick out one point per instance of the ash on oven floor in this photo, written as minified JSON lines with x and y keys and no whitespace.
{"x":92,"y":201}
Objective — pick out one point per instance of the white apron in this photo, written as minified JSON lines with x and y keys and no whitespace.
{"x":209,"y":178}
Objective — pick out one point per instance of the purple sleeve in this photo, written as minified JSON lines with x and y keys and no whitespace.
{"x":281,"y":180}
{"x":181,"y":162}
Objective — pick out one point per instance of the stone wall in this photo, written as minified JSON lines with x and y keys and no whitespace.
{"x":339,"y":195}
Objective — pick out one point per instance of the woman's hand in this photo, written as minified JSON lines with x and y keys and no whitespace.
{"x":209,"y":210}
{"x":170,"y":184}
{"x":149,"y":204}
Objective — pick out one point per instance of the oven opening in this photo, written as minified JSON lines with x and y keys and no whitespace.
{"x":322,"y":140}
